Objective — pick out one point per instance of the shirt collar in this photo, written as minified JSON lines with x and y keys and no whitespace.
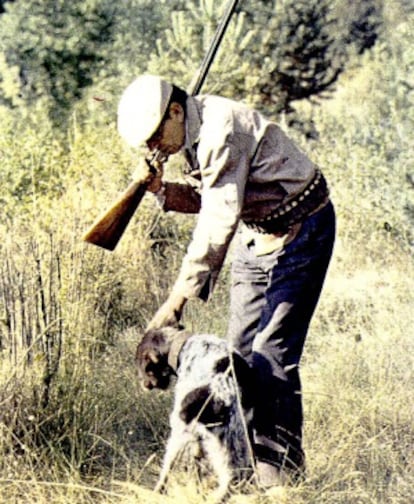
{"x":193,"y":123}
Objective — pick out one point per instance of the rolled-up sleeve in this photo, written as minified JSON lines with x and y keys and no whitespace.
{"x":224,"y":171}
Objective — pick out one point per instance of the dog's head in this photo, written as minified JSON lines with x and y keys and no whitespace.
{"x":151,"y":358}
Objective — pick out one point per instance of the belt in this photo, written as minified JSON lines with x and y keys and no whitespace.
{"x":296,"y":209}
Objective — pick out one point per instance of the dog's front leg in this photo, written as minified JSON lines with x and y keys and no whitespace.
{"x":172,"y":450}
{"x":177,"y":441}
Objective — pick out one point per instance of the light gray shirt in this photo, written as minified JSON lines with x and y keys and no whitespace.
{"x":245,"y":167}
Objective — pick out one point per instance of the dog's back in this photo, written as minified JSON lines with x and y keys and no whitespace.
{"x":211,"y":389}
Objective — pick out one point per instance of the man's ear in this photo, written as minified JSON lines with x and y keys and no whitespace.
{"x":176,"y":112}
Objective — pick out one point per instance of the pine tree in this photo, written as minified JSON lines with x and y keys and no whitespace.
{"x":298,"y":56}
{"x":361,"y":22}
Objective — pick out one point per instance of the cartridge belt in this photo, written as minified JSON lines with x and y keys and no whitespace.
{"x":294,"y":210}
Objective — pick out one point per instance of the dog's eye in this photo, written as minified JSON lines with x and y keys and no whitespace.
{"x":149,"y":369}
{"x":148,"y":385}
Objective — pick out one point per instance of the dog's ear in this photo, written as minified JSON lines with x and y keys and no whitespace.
{"x":153,"y":356}
{"x":202,"y":405}
{"x":150,"y":347}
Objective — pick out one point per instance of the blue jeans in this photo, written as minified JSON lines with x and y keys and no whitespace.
{"x":273,"y":298}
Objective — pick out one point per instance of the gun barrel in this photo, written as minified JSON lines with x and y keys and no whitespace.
{"x":201,"y":75}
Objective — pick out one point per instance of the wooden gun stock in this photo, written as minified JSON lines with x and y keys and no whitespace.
{"x":110,"y":226}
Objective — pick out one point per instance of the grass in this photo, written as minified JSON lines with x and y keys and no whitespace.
{"x":357,"y":376}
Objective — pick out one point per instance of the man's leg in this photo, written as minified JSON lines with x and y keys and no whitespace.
{"x":273,"y":299}
{"x":291,"y":297}
{"x":247,"y":299}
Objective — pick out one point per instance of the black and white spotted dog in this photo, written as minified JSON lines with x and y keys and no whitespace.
{"x":212,"y":401}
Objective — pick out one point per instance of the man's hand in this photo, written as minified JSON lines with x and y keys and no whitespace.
{"x":152,"y":177}
{"x":169,"y":314}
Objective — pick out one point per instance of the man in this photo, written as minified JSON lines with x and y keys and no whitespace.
{"x":243,"y":173}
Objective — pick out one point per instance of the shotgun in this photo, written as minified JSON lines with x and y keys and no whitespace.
{"x":107,"y":230}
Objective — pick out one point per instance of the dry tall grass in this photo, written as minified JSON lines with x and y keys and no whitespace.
{"x":102,"y":439}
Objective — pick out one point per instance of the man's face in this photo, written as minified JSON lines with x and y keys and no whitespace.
{"x":170,"y":136}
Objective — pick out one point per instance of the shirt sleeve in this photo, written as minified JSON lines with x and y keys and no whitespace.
{"x":224,"y":172}
{"x":180,"y":197}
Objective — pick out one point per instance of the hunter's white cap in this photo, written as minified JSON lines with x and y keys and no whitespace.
{"x":142,"y":107}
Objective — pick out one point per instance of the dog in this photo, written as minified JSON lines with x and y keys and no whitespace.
{"x":213,"y":401}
